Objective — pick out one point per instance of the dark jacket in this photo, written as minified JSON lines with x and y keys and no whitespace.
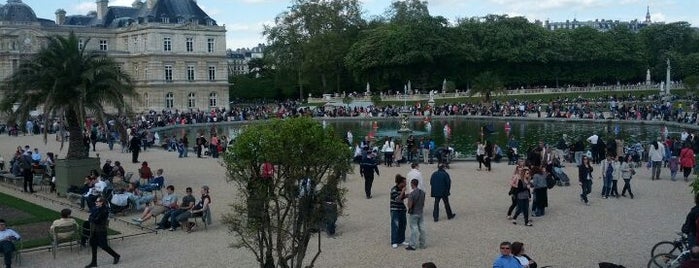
{"x":98,"y":219}
{"x":368,"y":167}
{"x":135,"y":144}
{"x":440,"y":183}
{"x":583,"y":172}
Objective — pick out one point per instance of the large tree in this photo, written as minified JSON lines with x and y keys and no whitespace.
{"x":71,"y":82}
{"x":274,"y":218}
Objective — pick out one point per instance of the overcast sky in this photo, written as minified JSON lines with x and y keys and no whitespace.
{"x":244,"y":18}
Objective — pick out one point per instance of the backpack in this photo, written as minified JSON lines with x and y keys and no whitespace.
{"x":550,"y":181}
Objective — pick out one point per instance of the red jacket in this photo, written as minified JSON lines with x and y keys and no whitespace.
{"x":687,"y":157}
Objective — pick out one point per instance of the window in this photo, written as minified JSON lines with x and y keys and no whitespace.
{"x":212,"y":73}
{"x":167,"y":44}
{"x":210,"y":45}
{"x":146,"y":100}
{"x":168,"y":73}
{"x":165,"y":20}
{"x":191,"y":100}
{"x":190,"y":73}
{"x":169,"y":100}
{"x":81,"y":43}
{"x":190,"y":44}
{"x":213,"y":99}
{"x":104,"y":46}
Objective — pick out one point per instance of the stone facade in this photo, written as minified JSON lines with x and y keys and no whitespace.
{"x":175,"y":53}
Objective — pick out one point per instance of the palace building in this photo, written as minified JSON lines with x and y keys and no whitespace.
{"x":175,"y":52}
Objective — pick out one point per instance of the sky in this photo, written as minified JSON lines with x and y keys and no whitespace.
{"x":244,"y":19}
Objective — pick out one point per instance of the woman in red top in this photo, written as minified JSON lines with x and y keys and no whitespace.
{"x":687,"y":160}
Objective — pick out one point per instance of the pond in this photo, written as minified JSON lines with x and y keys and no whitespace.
{"x":465,"y":132}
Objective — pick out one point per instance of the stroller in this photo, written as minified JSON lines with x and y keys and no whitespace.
{"x":635,"y":151}
{"x":557,"y":172}
{"x":444,"y":156}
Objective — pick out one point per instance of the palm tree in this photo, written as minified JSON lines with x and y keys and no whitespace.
{"x":487,"y":84}
{"x":65,"y":79}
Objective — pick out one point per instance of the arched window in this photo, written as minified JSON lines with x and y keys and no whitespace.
{"x":146,"y":100}
{"x":213,"y":99}
{"x":192,"y":100}
{"x":169,"y":100}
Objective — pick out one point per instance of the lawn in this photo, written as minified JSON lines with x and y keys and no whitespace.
{"x":30,"y":220}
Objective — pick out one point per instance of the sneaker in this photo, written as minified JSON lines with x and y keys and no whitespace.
{"x":394,"y":246}
{"x":509,"y":217}
{"x":405,"y":244}
{"x":137,"y":219}
{"x":171,"y":229}
{"x":410,"y":248}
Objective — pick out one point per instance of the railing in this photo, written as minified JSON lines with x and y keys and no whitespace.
{"x":363,"y":96}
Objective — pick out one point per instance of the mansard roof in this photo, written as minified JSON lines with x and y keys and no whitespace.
{"x":176,"y":11}
{"x":16,"y":11}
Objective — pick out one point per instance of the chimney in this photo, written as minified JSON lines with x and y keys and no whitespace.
{"x":151,"y":3}
{"x":102,"y":8}
{"x":60,"y":16}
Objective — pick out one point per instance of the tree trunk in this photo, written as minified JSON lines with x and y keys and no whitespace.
{"x":76,"y":149}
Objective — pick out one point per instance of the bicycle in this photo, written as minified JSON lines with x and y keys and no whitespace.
{"x":671,"y":247}
{"x":665,"y":260}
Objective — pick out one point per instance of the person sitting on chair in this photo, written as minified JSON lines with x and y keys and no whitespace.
{"x":65,"y":220}
{"x":155,"y":183}
{"x":169,"y":202}
{"x":7,"y":246}
{"x":197,"y":210}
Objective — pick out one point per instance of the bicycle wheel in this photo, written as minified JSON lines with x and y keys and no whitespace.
{"x":663,"y":260}
{"x":665,"y":247}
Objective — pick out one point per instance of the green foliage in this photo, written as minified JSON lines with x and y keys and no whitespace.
{"x":487,"y":84}
{"x":376,"y":99}
{"x":692,"y":82}
{"x":347,"y":100}
{"x":69,"y":81}
{"x":270,"y":218}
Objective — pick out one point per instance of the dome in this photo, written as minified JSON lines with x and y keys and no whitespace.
{"x":16,"y":11}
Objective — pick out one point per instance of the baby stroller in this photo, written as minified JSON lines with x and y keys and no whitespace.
{"x":444,"y":156}
{"x":558,"y":173}
{"x":635,"y":152}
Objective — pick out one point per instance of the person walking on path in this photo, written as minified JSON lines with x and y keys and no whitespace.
{"x":398,"y":210}
{"x":687,"y":160}
{"x":135,"y":147}
{"x":626,"y":174}
{"x":366,"y":170}
{"x":414,"y":173}
{"x":99,"y":218}
{"x":609,"y":167}
{"x":7,"y":246}
{"x":656,"y":152}
{"x":523,"y":195}
{"x":441,"y":186}
{"x":585,"y":178}
{"x":416,"y":205}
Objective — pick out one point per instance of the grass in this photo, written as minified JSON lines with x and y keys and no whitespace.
{"x":37,"y":214}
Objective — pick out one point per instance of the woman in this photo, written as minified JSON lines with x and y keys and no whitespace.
{"x":99,"y":219}
{"x":626,"y":174}
{"x":145,"y":173}
{"x":513,"y":189}
{"x":540,"y":192}
{"x":585,"y":178}
{"x":687,"y":160}
{"x":398,"y":154}
{"x":655,"y":154}
{"x":522,"y":194}
{"x":524,"y":259}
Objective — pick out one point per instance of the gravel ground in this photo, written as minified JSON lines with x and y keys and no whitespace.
{"x":570,"y":235}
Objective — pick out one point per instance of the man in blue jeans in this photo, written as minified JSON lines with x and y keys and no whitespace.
{"x":7,"y":246}
{"x":416,"y":204}
{"x":441,"y":186}
{"x":398,"y":211}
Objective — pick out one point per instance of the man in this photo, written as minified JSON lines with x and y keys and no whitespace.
{"x":398,"y":211}
{"x":690,"y":224}
{"x":168,"y":202}
{"x":188,"y":202}
{"x":65,"y":220}
{"x":610,"y":167}
{"x":200,"y":143}
{"x":594,"y":140}
{"x":108,"y":169}
{"x":135,"y":147}
{"x":26,"y":166}
{"x":7,"y":246}
{"x":506,"y":260}
{"x":36,"y":156}
{"x":366,"y":170}
{"x":416,"y":204}
{"x":441,"y":186}
{"x":415,"y":173}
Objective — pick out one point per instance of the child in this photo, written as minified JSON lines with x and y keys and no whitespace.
{"x":674,"y":166}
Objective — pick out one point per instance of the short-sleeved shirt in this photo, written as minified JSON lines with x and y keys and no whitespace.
{"x":170,"y":199}
{"x":187,"y":200}
{"x":417,"y":198}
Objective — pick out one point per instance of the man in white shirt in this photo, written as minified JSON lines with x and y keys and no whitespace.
{"x":414,"y":173}
{"x":7,"y":246}
{"x":596,"y":157}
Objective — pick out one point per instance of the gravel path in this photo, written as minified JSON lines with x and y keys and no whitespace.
{"x":570,"y":235}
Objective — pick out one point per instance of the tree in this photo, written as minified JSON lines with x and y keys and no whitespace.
{"x":276,"y":216}
{"x":376,"y":99}
{"x":487,"y":84}
{"x":347,"y":100}
{"x":65,"y":79}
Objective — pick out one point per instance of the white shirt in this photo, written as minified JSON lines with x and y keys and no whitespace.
{"x":593,"y":139}
{"x":100,"y":185}
{"x":414,"y":174}
{"x":7,"y":233}
{"x":656,"y":155}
